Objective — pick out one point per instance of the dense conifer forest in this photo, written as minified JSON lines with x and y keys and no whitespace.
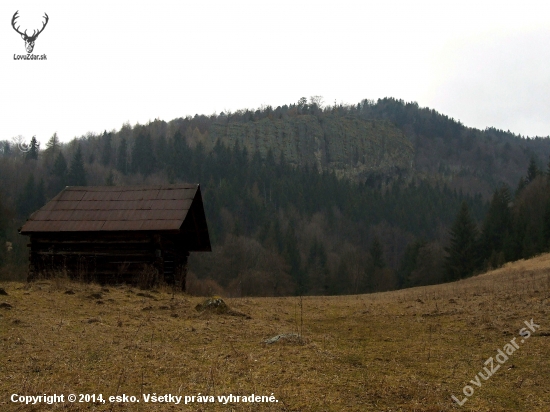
{"x":311,"y":199}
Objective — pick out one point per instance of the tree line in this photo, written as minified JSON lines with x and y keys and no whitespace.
{"x":279,"y":229}
{"x":276,"y":229}
{"x":516,"y":226}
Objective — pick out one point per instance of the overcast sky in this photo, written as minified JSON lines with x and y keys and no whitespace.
{"x":484,"y":63}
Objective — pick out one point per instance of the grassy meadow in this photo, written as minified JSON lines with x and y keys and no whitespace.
{"x":408,"y":350}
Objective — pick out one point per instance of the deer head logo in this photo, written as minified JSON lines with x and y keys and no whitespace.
{"x":29,"y":40}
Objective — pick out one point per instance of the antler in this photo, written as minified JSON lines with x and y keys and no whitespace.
{"x":34,"y":33}
{"x":43,"y":25}
{"x":15,"y":16}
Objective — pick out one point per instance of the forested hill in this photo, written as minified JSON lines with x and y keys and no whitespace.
{"x":310,"y":199}
{"x":375,"y":142}
{"x":475,"y":160}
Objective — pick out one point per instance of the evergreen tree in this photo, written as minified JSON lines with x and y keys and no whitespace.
{"x":122,"y":157}
{"x":77,"y":174}
{"x":32,"y":154}
{"x":107,"y":149}
{"x":52,"y":148}
{"x":532,"y":171}
{"x":514,"y":247}
{"x":53,"y":144}
{"x":60,"y":166}
{"x":291,"y":254}
{"x":143,"y":157}
{"x":59,"y":172}
{"x":162,"y":152}
{"x":462,"y":257}
{"x":497,"y":226}
{"x":40,"y":195}
{"x":32,"y":198}
{"x":178,"y":163}
{"x":409,"y":263}
{"x":26,"y":200}
{"x":521,"y":185}
{"x":110,"y":179}
{"x":377,"y":254}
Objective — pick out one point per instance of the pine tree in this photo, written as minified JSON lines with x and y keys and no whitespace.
{"x":26,"y":200}
{"x":462,"y":257}
{"x":521,"y":185}
{"x":377,"y":254}
{"x":40,"y":195}
{"x":409,"y":263}
{"x":177,"y":163}
{"x":110,"y":179}
{"x":162,"y":152}
{"x":58,"y":179}
{"x":60,"y":166}
{"x":107,"y":149}
{"x":532,"y":171}
{"x":143,"y":157}
{"x":122,"y":157}
{"x":77,"y":174}
{"x":52,"y":148}
{"x":497,"y":225}
{"x":32,"y":154}
{"x":291,"y":254}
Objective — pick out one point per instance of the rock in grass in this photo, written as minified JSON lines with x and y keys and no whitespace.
{"x":5,"y":305}
{"x":213,"y":304}
{"x":285,"y":337}
{"x":3,"y":292}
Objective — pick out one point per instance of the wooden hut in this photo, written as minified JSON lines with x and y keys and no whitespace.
{"x":131,"y":234}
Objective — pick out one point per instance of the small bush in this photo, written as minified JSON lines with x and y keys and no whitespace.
{"x":202,"y":287}
{"x":149,"y":277}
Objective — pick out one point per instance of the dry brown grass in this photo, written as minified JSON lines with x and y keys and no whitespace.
{"x":408,"y":350}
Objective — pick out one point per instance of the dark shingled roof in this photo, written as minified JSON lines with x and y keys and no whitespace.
{"x":108,"y":208}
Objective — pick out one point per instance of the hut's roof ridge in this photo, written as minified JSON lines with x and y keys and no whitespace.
{"x":131,"y":188}
{"x":115,"y":208}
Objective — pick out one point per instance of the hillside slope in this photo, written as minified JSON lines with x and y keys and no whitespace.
{"x":350,"y":146}
{"x":409,"y":350}
{"x":380,"y":140}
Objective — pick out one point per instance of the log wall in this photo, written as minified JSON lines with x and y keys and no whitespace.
{"x":139,"y":258}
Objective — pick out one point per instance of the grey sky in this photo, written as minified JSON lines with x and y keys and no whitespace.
{"x":485,"y":63}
